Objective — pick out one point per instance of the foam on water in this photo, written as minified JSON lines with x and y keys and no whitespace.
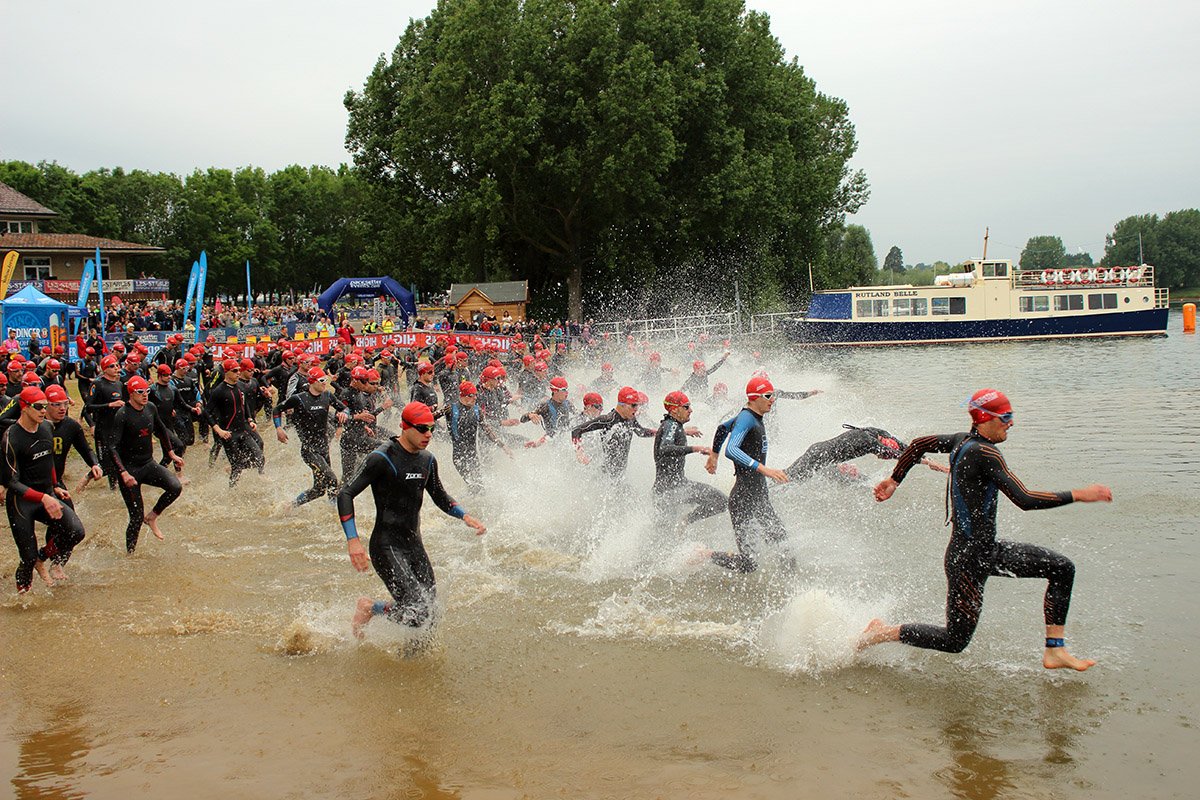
{"x":814,"y":632}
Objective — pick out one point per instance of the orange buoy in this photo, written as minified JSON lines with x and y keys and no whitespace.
{"x":1189,"y":317}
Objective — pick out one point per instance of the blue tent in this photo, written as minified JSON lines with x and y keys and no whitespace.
{"x":368,"y":287}
{"x":29,"y":311}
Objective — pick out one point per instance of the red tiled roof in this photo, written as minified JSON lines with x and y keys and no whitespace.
{"x":70,"y":241}
{"x":13,"y":203}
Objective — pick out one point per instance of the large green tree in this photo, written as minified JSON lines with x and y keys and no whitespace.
{"x":1043,"y":252}
{"x":894,"y":260}
{"x":600,"y":142}
{"x":849,"y":258}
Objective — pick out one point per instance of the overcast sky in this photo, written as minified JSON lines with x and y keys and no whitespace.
{"x":1032,"y":118}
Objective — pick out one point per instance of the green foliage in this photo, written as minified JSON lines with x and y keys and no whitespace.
{"x":1043,"y":252}
{"x":1170,"y":244}
{"x":894,"y":261}
{"x":621,"y":144}
{"x":298,"y":227}
{"x":849,"y":258}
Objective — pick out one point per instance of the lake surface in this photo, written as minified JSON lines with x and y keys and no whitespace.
{"x":580,"y":654}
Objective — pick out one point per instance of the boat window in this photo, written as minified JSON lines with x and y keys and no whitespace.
{"x":1068,"y":302}
{"x":910,"y":307}
{"x":871,"y":308}
{"x":994,"y":269}
{"x":1034,"y":303}
{"x":941,"y":306}
{"x":958,"y":305}
{"x":1106,"y":300}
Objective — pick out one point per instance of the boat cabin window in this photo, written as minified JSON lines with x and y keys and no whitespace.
{"x":871,"y":308}
{"x":943,"y":306}
{"x":1106,"y":300}
{"x":995,"y":269}
{"x":1038,"y":302}
{"x":1068,"y":302}
{"x":910,"y":307}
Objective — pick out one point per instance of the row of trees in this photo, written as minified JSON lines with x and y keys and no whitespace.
{"x":297,"y":227}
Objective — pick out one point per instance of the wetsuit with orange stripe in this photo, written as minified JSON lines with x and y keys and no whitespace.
{"x":978,"y":475}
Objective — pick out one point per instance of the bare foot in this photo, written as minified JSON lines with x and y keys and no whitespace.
{"x":40,"y":566}
{"x":184,"y":480}
{"x":152,"y":523}
{"x":877,"y":632}
{"x":701,"y":555}
{"x":362,"y":615}
{"x":1059,"y":658}
{"x":58,"y":573}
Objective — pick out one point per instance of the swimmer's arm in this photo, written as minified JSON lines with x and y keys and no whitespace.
{"x":721,"y":434}
{"x":733,"y":449}
{"x":666,"y":444}
{"x":437,"y":492}
{"x":993,"y":463}
{"x":80,"y":443}
{"x":938,"y":443}
{"x":113,"y":436}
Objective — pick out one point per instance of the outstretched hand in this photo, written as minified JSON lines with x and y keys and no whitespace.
{"x":885,"y":489}
{"x":480,"y":528}
{"x":1096,"y":493}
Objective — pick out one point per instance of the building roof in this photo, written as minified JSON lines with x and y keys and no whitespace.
{"x":497,"y":292}
{"x":51,"y":242}
{"x":15,"y":204}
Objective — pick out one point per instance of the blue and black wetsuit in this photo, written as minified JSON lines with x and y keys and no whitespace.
{"x":671,"y":486}
{"x":750,"y":509}
{"x":398,"y":480}
{"x":556,"y":417}
{"x":977,"y":475}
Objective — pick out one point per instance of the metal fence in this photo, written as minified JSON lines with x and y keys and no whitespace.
{"x":768,"y":323}
{"x":723,"y":324}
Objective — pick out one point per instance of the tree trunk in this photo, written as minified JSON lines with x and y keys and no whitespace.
{"x":575,"y":288}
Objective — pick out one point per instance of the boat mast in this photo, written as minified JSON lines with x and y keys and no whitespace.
{"x":986,"y":231}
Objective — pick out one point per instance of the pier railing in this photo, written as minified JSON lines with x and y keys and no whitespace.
{"x":769,"y":322}
{"x":1085,"y":277}
{"x":720,"y":324}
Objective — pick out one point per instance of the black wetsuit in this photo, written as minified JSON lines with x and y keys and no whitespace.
{"x":397,"y":479}
{"x":68,"y":433}
{"x":697,"y":382}
{"x":310,"y":416}
{"x":465,"y":422}
{"x":130,"y":440}
{"x":28,"y":473}
{"x":104,"y":392}
{"x":977,"y":475}
{"x":617,"y":433}
{"x":357,"y":439}
{"x":750,"y":508}
{"x":556,"y":417}
{"x":167,"y":400}
{"x":854,"y":443}
{"x":226,"y":409}
{"x":185,"y":418}
{"x":421,"y":393}
{"x":671,"y":487}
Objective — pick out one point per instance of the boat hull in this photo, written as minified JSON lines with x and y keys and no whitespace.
{"x":842,"y":333}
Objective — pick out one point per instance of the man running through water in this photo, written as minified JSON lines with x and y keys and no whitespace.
{"x":398,"y":473}
{"x":131,"y":443}
{"x":617,"y":429}
{"x":750,"y":508}
{"x":68,"y":434}
{"x":671,"y":487}
{"x":309,"y":412}
{"x":33,"y":494}
{"x":854,"y":443}
{"x":977,"y":472}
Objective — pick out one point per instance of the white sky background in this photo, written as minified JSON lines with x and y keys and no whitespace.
{"x":1029,"y":117}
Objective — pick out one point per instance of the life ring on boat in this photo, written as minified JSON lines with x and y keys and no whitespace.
{"x":1085,"y":277}
{"x":1068,"y":277}
{"x":1119,"y":275}
{"x":1106,"y":276}
{"x":1134,"y":275}
{"x":1047,"y":277}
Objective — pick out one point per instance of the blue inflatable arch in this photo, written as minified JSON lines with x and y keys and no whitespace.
{"x":368,"y":287}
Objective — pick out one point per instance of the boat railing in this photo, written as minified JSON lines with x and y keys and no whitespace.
{"x":1084,"y":278}
{"x":769,"y":322}
{"x":722,"y":323}
{"x":1162,"y":298}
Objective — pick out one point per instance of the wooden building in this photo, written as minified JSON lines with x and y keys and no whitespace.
{"x":493,"y":299}
{"x":53,"y":262}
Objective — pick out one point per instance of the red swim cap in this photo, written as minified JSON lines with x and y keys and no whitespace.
{"x":230,"y":365}
{"x":720,"y":388}
{"x":31,"y":379}
{"x":757,"y":387}
{"x":31,"y":394}
{"x":987,"y":403}
{"x":53,"y":364}
{"x":606,"y":367}
{"x":467,"y":389}
{"x":373,"y":375}
{"x":359,"y":373}
{"x":593,"y":399}
{"x":165,"y":369}
{"x":697,"y":365}
{"x":137,"y":384}
{"x":246,"y":364}
{"x":540,"y":366}
{"x":627,"y":395}
{"x":424,"y":367}
{"x":558,"y":384}
{"x":416,"y":414}
{"x":55,"y":393}
{"x":182,"y":363}
{"x":315,"y":374}
{"x":675,"y":399}
{"x":105,"y":363}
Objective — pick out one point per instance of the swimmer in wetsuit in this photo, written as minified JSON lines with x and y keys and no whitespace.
{"x":309,"y":412}
{"x":671,"y":487}
{"x":750,"y":509}
{"x":398,"y":474}
{"x":68,"y":435}
{"x":617,"y":429}
{"x":131,"y":443}
{"x":854,"y":443}
{"x":977,"y":474}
